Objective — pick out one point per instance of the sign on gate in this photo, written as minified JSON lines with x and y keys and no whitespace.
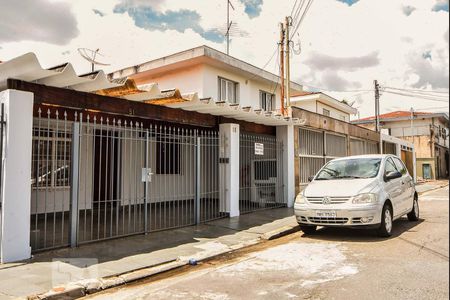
{"x":259,"y":149}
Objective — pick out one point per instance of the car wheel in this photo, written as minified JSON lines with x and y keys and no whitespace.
{"x":308,"y":229}
{"x":414,"y":214}
{"x":385,"y":229}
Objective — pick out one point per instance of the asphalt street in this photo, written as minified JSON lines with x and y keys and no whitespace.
{"x":333,"y":264}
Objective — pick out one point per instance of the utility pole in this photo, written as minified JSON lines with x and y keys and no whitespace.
{"x":377,"y":106}
{"x":288,"y":23}
{"x":282,"y":44}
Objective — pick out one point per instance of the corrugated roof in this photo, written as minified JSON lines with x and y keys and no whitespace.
{"x":235,"y":111}
{"x":27,"y":68}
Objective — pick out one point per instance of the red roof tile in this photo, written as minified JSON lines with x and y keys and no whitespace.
{"x":395,"y":114}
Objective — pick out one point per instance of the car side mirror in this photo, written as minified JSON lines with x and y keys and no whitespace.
{"x":311,"y":178}
{"x":392,"y":175}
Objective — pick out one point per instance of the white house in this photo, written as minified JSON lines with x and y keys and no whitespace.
{"x":323,"y":104}
{"x":212,"y":74}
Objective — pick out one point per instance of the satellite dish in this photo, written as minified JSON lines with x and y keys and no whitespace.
{"x":91,"y":56}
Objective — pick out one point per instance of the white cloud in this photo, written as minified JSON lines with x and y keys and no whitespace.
{"x":339,"y":42}
{"x":37,"y":20}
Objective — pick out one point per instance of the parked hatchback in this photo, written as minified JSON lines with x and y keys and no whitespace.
{"x":368,"y":191}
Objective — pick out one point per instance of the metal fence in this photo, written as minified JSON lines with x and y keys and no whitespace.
{"x":261,"y":173}
{"x":50,"y":180}
{"x":96,"y":178}
{"x":316,"y":147}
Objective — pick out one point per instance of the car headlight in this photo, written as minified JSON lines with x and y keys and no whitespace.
{"x":300,"y":199}
{"x":365,"y":199}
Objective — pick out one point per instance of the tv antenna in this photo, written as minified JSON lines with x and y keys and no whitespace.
{"x":91,"y":56}
{"x":229,"y":24}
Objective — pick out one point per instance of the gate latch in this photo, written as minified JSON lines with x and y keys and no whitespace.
{"x":147,"y":175}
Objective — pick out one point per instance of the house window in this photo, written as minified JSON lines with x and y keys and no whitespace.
{"x":168,"y":157}
{"x":228,"y":91}
{"x":326,"y":112}
{"x":266,"y":101}
{"x":51,"y":158}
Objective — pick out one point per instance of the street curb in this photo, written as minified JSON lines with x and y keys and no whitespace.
{"x":75,"y":290}
{"x":280,"y":232}
{"x":433,"y":189}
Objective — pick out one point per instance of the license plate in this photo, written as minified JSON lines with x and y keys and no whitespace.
{"x":326,"y":214}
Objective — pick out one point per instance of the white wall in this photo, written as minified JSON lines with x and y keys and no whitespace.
{"x":203,"y":79}
{"x":187,"y":80}
{"x":317,"y":107}
{"x":248,"y":87}
{"x":15,"y":198}
{"x":334,"y":113}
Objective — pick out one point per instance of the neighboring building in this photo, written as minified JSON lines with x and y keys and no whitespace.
{"x":212,"y":74}
{"x":323,"y":104}
{"x":429,"y":132}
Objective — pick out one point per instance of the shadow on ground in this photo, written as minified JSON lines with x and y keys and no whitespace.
{"x":111,"y":250}
{"x":362,"y":235}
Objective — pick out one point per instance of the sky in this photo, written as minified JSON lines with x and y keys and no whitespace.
{"x":340,"y":48}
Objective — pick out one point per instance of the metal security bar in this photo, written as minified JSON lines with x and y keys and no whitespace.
{"x":212,"y":207}
{"x":50,"y":180}
{"x":361,"y":147}
{"x":98,"y":177}
{"x":317,"y":148}
{"x":261,"y":173}
{"x":389,"y":148}
{"x":311,"y":153}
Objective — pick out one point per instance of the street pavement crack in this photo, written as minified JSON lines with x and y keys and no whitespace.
{"x":443,"y":256}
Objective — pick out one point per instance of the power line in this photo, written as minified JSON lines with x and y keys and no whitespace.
{"x":293,"y":7}
{"x":417,"y":96}
{"x":414,"y":94}
{"x":297,"y":12}
{"x":328,"y":90}
{"x":305,"y":12}
{"x":417,"y":90}
{"x":431,"y":108}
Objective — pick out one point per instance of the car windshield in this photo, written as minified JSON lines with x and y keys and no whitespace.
{"x":350,"y":169}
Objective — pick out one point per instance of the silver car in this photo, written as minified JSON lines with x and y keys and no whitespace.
{"x":369,"y":190}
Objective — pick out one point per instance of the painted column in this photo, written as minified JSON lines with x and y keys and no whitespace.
{"x":286,"y":135}
{"x":229,"y":168}
{"x":16,"y":185}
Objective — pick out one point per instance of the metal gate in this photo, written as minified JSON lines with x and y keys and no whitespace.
{"x":261,"y":173}
{"x":317,"y":148}
{"x":97,"y":178}
{"x":361,"y":147}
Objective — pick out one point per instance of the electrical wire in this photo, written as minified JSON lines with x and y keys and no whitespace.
{"x":305,"y":12}
{"x":328,"y":90}
{"x":417,"y":96}
{"x":293,"y":7}
{"x":417,"y":90}
{"x":296,"y":15}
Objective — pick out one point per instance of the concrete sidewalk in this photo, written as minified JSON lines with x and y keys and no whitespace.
{"x":93,"y":267}
{"x":424,"y":187}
